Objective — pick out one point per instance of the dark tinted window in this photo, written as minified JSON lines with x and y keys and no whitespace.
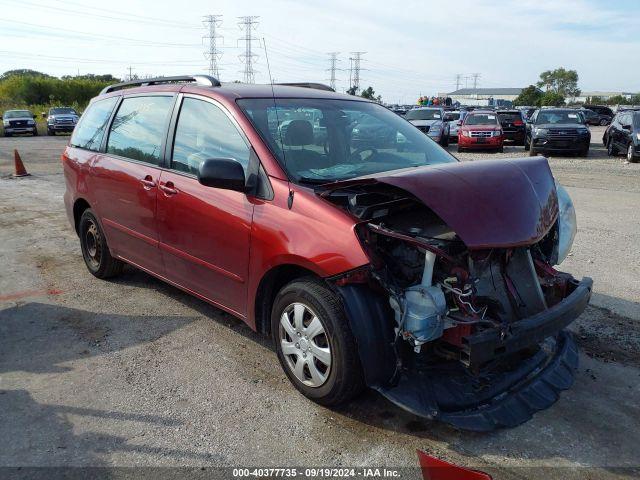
{"x":636,"y":119}
{"x":17,"y":114}
{"x":510,"y":117}
{"x":139,"y":127}
{"x":90,"y":131}
{"x":558,"y":117}
{"x":424,"y":114}
{"x":62,"y":111}
{"x":204,"y":131}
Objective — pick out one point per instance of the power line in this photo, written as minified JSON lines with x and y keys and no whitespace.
{"x":213,"y":54}
{"x":248,"y":24}
{"x":354,"y":77}
{"x":333,"y":61}
{"x":475,"y":76}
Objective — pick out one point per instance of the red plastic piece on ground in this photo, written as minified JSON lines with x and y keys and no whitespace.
{"x":20,"y":170}
{"x":435,"y":469}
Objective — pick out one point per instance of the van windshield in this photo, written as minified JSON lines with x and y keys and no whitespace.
{"x":323,"y":140}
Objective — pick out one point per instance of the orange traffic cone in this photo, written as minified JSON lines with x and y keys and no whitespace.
{"x":20,"y":170}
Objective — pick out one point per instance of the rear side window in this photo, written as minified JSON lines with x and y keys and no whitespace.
{"x":139,"y":128}
{"x":636,"y":119}
{"x":509,"y":117}
{"x":205,"y":131}
{"x":89,"y":132}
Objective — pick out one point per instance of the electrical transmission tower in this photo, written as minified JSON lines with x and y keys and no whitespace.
{"x":333,"y":62}
{"x":248,"y":24}
{"x":475,"y":76}
{"x":211,"y":23}
{"x":458,"y":81}
{"x":356,"y":68}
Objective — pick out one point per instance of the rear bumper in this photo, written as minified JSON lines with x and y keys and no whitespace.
{"x":516,"y":136}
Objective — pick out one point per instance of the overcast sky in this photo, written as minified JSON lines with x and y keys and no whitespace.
{"x":412,"y":47}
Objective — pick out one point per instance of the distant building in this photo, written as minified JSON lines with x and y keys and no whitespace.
{"x":484,"y":96}
{"x":603,"y":96}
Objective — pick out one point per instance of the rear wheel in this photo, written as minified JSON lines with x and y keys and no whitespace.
{"x":50,"y":132}
{"x":526,"y":143}
{"x":314,"y":342}
{"x":95,"y":250}
{"x":612,"y":151}
{"x":603,"y":122}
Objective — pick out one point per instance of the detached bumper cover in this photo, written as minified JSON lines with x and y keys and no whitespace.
{"x":449,"y":393}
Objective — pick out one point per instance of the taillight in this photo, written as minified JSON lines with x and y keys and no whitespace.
{"x":518,"y":123}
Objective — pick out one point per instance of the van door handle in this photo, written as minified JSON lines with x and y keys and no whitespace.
{"x":168,"y":188}
{"x":147,"y":182}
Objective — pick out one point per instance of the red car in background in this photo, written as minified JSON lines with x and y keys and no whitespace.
{"x":368,"y":263}
{"x":481,"y":130}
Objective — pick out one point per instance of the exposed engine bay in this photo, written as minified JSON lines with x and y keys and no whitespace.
{"x":484,"y":310}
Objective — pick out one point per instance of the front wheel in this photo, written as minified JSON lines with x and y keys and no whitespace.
{"x":527,"y":145}
{"x":603,"y":122}
{"x":95,"y":250}
{"x":630,"y":156}
{"x":612,"y":151}
{"x":314,"y":342}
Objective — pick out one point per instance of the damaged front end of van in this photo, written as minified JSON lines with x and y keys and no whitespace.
{"x":461,"y":314}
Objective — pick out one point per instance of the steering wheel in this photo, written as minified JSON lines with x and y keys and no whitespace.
{"x":360,"y":150}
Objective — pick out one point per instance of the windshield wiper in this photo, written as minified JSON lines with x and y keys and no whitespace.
{"x":316,"y":181}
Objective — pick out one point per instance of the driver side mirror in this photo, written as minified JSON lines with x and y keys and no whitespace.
{"x":626,"y":127}
{"x":225,"y":173}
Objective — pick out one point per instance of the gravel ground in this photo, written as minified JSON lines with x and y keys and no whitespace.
{"x":133,"y":372}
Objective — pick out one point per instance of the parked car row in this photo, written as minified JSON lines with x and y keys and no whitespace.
{"x":20,"y":122}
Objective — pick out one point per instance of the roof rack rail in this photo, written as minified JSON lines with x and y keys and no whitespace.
{"x":317,"y":86}
{"x":204,"y":80}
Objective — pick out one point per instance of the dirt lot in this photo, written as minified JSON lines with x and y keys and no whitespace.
{"x":133,"y":372}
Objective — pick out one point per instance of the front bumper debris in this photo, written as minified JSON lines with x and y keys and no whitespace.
{"x":495,"y":397}
{"x":507,"y":400}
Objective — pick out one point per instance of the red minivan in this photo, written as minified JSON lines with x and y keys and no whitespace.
{"x":378,"y":264}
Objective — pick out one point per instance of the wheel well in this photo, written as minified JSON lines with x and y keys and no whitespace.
{"x":270,"y":285}
{"x":78,"y":209}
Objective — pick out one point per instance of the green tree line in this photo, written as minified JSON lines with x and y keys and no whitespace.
{"x":29,"y":88}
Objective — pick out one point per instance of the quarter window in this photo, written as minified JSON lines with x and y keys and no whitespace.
{"x":139,"y":127}
{"x":89,"y":132}
{"x":205,"y":131}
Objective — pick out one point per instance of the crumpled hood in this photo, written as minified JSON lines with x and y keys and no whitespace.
{"x":488,"y":203}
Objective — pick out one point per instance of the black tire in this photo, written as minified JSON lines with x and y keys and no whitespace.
{"x":584,"y":152}
{"x":532,"y":152}
{"x":345,"y":379}
{"x":612,"y":151}
{"x":50,"y":132}
{"x":631,"y":158}
{"x":604,"y":122}
{"x":460,"y":149}
{"x":501,"y":149}
{"x":35,"y":132}
{"x":527,"y":145}
{"x":7,"y":134}
{"x":95,"y":250}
